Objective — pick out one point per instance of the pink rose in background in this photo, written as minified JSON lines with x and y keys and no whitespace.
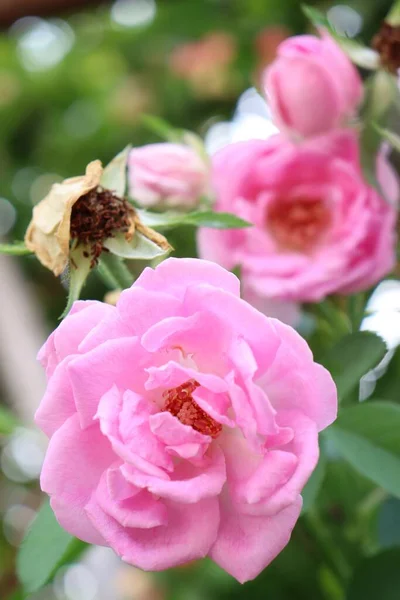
{"x":174,"y":430}
{"x":312,"y":86}
{"x":318,"y":228}
{"x":172,"y":175}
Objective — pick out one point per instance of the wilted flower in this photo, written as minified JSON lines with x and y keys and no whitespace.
{"x":182,"y":422}
{"x":80,"y":211}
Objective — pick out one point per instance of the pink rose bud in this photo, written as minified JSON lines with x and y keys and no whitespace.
{"x":172,"y":175}
{"x":318,"y":227}
{"x":312,"y":86}
{"x":174,"y":429}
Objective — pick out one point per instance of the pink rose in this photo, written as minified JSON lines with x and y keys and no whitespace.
{"x":174,"y":429}
{"x":318,"y":227}
{"x":312,"y":86}
{"x":166,"y":174}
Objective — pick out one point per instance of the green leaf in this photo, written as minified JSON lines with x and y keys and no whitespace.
{"x":16,"y":249}
{"x":367,"y":436}
{"x":351,"y":358}
{"x":381,"y":93}
{"x":389,"y":136}
{"x":7,"y":421}
{"x":114,"y":175}
{"x":377,"y":577}
{"x":313,"y":485}
{"x":388,"y":386}
{"x":161,"y":128}
{"x":360,"y":55}
{"x":197,"y":219}
{"x":370,"y":142}
{"x":140,"y":248}
{"x":44,"y":549}
{"x":393,"y":16}
{"x":388,"y":523}
{"x":80,"y":266}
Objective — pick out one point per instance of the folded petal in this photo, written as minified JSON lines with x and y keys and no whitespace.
{"x":119,"y":361}
{"x":246,"y":544}
{"x":74,"y":463}
{"x":176,"y":274}
{"x":188,"y":483}
{"x":57,"y":404}
{"x":189,"y":534}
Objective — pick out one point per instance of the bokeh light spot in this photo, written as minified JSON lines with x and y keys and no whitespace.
{"x":133,"y":13}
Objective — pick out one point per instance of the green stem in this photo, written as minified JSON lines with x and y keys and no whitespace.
{"x":117,"y":269}
{"x":332,"y":556}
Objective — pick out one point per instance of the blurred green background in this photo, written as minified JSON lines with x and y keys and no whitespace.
{"x":73,"y":87}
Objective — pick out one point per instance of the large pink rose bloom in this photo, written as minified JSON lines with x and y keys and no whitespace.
{"x":318,"y":227}
{"x":171,"y":175}
{"x":312,"y":86}
{"x":175,"y":431}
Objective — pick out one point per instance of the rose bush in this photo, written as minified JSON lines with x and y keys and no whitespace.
{"x":312,"y":86}
{"x":172,"y":175}
{"x":182,"y":422}
{"x":318,"y":227}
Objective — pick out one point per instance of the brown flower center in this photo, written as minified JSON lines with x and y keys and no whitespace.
{"x":179,"y":402}
{"x":387,"y":43}
{"x":96,"y":216}
{"x":298,"y":225}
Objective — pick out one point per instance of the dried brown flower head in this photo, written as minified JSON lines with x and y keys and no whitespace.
{"x":387,"y":43}
{"x":80,"y":211}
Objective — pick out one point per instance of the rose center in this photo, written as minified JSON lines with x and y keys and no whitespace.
{"x":96,"y":216}
{"x":298,"y":225}
{"x":179,"y":402}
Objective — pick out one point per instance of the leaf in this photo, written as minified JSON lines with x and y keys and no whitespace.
{"x":161,"y":128}
{"x":7,"y":421}
{"x":139,"y":248}
{"x":388,"y":386}
{"x":216,"y":220}
{"x":114,"y":174}
{"x":377,"y":577}
{"x":197,"y":219}
{"x":389,"y":136}
{"x":388,"y":523}
{"x":44,"y":549}
{"x":380,"y":93}
{"x":80,"y":267}
{"x":313,"y":485}
{"x":361,"y":55}
{"x":351,"y":358}
{"x":16,"y":249}
{"x":370,"y":142}
{"x":367,"y":436}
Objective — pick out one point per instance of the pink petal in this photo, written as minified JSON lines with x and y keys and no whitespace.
{"x":120,"y":362}
{"x":190,"y":532}
{"x":124,"y":420}
{"x":243,"y":319}
{"x":176,"y":274}
{"x":188,"y":483}
{"x":294,"y":381}
{"x":246,"y":545}
{"x":141,"y":510}
{"x":57,"y":404}
{"x":74,"y":463}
